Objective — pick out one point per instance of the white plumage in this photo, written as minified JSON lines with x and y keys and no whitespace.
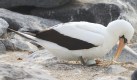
{"x":102,"y":37}
{"x":84,"y":31}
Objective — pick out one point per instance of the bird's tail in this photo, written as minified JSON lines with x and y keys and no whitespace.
{"x":23,"y":34}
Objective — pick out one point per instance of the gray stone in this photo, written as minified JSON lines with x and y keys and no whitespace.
{"x":97,"y":13}
{"x":134,"y":47}
{"x":12,"y":72}
{"x":25,"y":22}
{"x":115,"y":69}
{"x":35,"y":3}
{"x":3,"y":26}
{"x":7,"y":78}
{"x":40,"y":55}
{"x":128,"y":8}
{"x":132,"y":2}
{"x":23,"y":45}
{"x":15,"y":44}
{"x":2,"y":48}
{"x":134,"y":75}
{"x":9,"y":46}
{"x":127,"y":55}
{"x":111,"y":78}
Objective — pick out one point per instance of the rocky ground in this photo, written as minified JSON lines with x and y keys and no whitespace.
{"x":42,"y":65}
{"x":22,"y":59}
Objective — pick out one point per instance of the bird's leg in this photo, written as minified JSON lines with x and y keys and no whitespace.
{"x":82,"y":60}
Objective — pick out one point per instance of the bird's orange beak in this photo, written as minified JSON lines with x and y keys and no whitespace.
{"x":119,"y":49}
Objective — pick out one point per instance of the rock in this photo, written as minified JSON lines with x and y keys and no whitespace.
{"x":3,"y":26}
{"x":15,"y":44}
{"x":128,"y":8}
{"x":8,"y":45}
{"x":111,"y":78}
{"x":17,"y":21}
{"x":23,"y":45}
{"x":105,"y":13}
{"x":6,"y":78}
{"x":134,"y":47}
{"x":134,"y":75}
{"x":35,"y":3}
{"x":42,"y":55}
{"x":23,"y":23}
{"x":98,"y":13}
{"x":115,"y":69}
{"x":77,"y":71}
{"x":127,"y":55}
{"x":2,"y":48}
{"x":12,"y":72}
{"x":132,"y":2}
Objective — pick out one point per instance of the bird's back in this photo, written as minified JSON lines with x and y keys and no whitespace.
{"x":74,"y":35}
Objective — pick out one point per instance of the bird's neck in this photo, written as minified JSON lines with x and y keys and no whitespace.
{"x":110,"y":42}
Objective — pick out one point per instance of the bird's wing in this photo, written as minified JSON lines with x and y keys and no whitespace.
{"x":89,"y":32}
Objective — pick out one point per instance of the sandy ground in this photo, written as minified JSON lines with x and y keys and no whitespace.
{"x":65,"y":70}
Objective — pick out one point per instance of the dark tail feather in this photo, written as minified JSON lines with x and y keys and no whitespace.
{"x":32,"y":31}
{"x":21,"y":34}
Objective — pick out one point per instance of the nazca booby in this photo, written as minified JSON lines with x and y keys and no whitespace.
{"x":84,"y":40}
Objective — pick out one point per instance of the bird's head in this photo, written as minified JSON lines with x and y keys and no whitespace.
{"x":122,"y":30}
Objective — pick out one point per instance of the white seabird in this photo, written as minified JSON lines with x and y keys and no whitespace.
{"x":84,"y":40}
